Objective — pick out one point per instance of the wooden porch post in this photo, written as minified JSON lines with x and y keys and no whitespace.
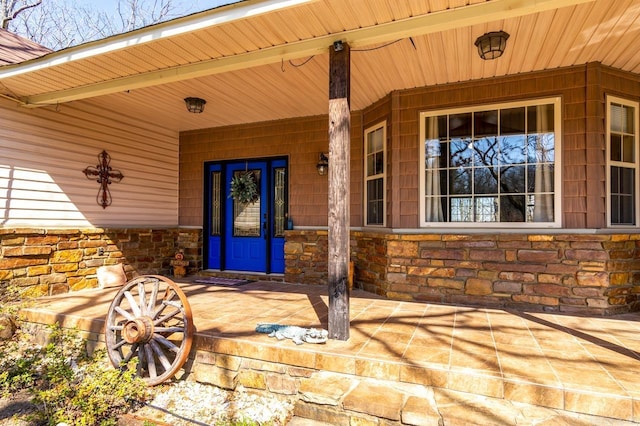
{"x":339,"y":193}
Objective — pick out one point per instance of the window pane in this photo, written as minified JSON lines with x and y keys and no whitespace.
{"x":461,"y":152}
{"x":540,"y":148}
{"x":622,"y":118}
{"x":615,"y":180}
{"x":512,"y":121}
{"x":485,"y":151}
{"x":375,"y":164}
{"x":628,"y":122}
{"x":540,"y":119}
{"x":627,"y":180}
{"x":375,"y":152}
{"x":486,"y":123}
{"x":435,"y":127}
{"x":628,"y":149}
{"x":486,"y":209}
{"x":379,"y":163}
{"x":375,"y":201}
{"x":512,"y":149}
{"x":375,"y":142}
{"x":622,"y":180}
{"x":460,"y":181}
{"x":512,"y":208}
{"x":622,"y":196}
{"x":540,"y":178}
{"x":246,"y":217}
{"x":370,"y":165}
{"x":627,"y":210}
{"x":460,"y":125}
{"x":512,"y":179}
{"x":615,"y":151}
{"x":622,"y":210}
{"x":462,"y":209}
{"x":216,"y":191}
{"x":540,"y":208}
{"x":279,"y":202}
{"x":485,"y":180}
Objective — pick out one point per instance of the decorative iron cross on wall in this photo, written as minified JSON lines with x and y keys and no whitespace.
{"x":104,"y":175}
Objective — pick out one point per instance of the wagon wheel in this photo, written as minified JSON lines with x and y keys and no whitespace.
{"x":150,"y":318}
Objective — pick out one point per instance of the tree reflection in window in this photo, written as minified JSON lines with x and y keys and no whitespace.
{"x":495,"y":165}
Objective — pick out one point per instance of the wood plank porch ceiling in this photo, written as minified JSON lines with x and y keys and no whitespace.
{"x":265,"y":60}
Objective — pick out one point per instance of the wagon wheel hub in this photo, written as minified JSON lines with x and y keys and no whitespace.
{"x":138,"y":330}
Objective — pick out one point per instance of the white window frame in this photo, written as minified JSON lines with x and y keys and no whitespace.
{"x":557,"y":201}
{"x":616,"y":100}
{"x":381,"y":125}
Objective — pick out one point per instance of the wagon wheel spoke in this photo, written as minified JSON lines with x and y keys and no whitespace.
{"x":169,"y":330}
{"x":131,"y":354}
{"x":154,"y":296}
{"x":167,"y":343}
{"x":151,"y":364}
{"x":143,"y":298}
{"x":141,"y":361}
{"x":124,"y":313}
{"x":119,"y":344}
{"x":166,"y":317}
{"x":133,"y":305}
{"x":157,"y":350}
{"x":150,"y":319}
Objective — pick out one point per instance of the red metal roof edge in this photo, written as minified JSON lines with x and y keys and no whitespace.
{"x":15,"y":49}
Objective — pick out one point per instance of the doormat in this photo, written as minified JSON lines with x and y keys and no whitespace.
{"x":229,"y":282}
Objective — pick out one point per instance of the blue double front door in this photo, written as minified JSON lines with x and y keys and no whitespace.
{"x":245,"y":234}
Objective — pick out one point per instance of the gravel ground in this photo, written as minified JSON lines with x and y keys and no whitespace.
{"x":185,"y":403}
{"x":188,"y":403}
{"x":14,"y":410}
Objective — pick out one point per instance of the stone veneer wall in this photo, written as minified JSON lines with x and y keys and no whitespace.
{"x":54,"y":261}
{"x":574,"y":273}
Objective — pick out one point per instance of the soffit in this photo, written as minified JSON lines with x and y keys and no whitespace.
{"x":295,"y":82}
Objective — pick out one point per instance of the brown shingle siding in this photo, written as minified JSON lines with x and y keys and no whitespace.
{"x":583,"y":164}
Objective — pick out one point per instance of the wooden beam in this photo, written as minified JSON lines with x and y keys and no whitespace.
{"x":339,"y":194}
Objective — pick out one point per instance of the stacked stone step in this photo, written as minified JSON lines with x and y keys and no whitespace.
{"x":330,"y":398}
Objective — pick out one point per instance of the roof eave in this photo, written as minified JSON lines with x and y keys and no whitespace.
{"x":209,"y":18}
{"x":493,"y":10}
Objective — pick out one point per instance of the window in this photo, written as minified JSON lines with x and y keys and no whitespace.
{"x":374,"y":180}
{"x":279,"y":201}
{"x":491,"y":165}
{"x":622,"y":157}
{"x":216,"y":204}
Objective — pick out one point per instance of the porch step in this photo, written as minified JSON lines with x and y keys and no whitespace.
{"x":336,"y":399}
{"x":400,"y":391}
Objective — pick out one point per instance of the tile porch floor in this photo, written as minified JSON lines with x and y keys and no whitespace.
{"x":582,"y":364}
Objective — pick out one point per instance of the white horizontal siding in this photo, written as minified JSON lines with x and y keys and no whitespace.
{"x":44,"y":151}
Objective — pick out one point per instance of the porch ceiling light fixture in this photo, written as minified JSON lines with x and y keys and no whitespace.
{"x":195,"y":105}
{"x":491,"y":45}
{"x":323,"y":165}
